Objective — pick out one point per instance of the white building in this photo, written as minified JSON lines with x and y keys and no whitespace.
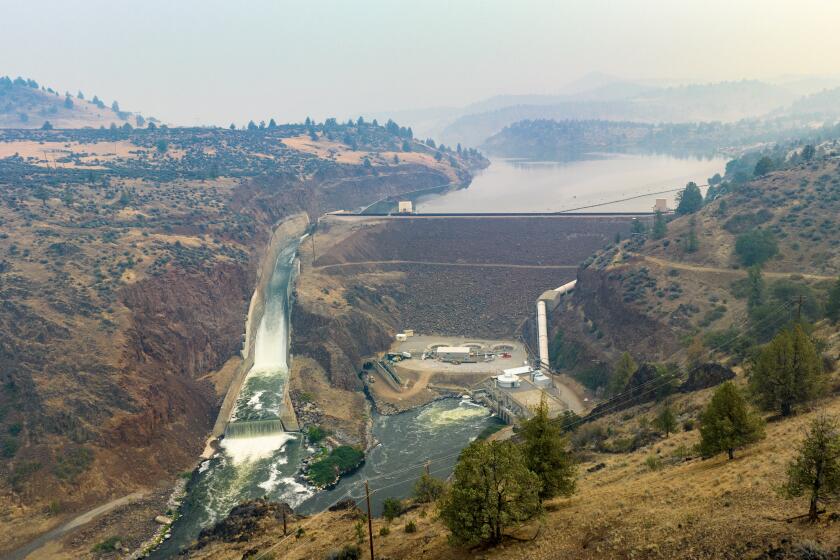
{"x":510,"y":377}
{"x":508,"y":381}
{"x":405,"y":207}
{"x":661,"y":205}
{"x":540,"y":379}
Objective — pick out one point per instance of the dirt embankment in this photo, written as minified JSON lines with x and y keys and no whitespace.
{"x":363,"y":281}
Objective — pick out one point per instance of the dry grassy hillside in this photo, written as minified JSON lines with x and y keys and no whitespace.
{"x":653,"y":297}
{"x":127,"y":261}
{"x":23,"y":104}
{"x":659,"y":501}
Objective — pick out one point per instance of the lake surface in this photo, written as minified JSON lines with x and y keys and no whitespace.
{"x":544,"y":186}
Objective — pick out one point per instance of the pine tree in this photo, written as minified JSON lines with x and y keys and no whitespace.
{"x":689,"y":200}
{"x":492,"y":488}
{"x":546,"y":455}
{"x":427,"y":489}
{"x":728,"y":423}
{"x":788,"y":371}
{"x":692,"y":243}
{"x":660,"y":226}
{"x":624,"y":368}
{"x":666,"y":421}
{"x":815,"y":470}
{"x":755,"y":288}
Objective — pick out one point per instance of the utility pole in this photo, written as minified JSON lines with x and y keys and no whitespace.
{"x":370,"y":520}
{"x":799,"y":309}
{"x":284,"y":522}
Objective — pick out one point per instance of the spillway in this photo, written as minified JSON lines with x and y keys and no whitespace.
{"x":257,"y":458}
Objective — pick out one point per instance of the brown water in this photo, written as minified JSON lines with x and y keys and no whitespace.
{"x":542,"y":186}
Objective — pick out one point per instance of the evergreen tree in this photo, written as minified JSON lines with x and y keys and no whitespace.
{"x":68,"y":102}
{"x":728,"y":423}
{"x":660,"y":226}
{"x":815,"y":470}
{"x":544,"y":448}
{"x":788,"y":371}
{"x":755,"y":288}
{"x":756,"y":247}
{"x":808,"y":152}
{"x":689,"y":200}
{"x":832,"y":308}
{"x":47,"y":125}
{"x":692,"y":244}
{"x":115,"y":107}
{"x":666,"y":421}
{"x":624,"y":368}
{"x":272,"y":124}
{"x":428,"y":489}
{"x":252,"y":125}
{"x":232,"y":126}
{"x":763,"y":167}
{"x":492,"y":488}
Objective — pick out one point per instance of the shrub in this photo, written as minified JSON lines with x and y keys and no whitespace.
{"x":349,"y":552}
{"x":391,"y":508}
{"x":315,"y":434}
{"x":411,"y":527}
{"x":384,"y":531}
{"x":756,"y":247}
{"x":653,"y":462}
{"x":428,"y":489}
{"x":111,"y":544}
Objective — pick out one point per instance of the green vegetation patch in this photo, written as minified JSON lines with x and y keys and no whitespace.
{"x":341,"y":460}
{"x":73,"y":463}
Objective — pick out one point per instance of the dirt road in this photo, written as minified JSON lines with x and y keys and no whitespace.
{"x":738,"y":272}
{"x":433,"y":263}
{"x":33,"y":550}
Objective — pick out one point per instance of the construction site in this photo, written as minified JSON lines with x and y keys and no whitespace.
{"x":498,"y":373}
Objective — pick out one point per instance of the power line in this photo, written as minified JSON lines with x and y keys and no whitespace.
{"x":657,"y":383}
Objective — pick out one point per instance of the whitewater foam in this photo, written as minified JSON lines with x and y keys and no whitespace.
{"x":247,"y":450}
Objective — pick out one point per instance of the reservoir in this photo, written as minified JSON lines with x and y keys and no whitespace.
{"x":515,"y":185}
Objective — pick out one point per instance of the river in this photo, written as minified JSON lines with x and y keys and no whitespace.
{"x":258,"y":459}
{"x":435,"y":433}
{"x":509,"y":185}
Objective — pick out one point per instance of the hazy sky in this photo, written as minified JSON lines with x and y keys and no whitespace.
{"x":213,"y":62}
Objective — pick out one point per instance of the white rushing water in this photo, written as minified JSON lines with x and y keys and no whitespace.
{"x":257,"y":457}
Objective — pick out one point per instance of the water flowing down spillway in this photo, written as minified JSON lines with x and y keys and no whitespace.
{"x":258,"y":458}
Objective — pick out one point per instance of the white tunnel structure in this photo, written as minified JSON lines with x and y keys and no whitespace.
{"x":551,"y":297}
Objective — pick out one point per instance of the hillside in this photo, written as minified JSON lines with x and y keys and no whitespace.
{"x":663,"y":299}
{"x":657,"y":295}
{"x":682,"y":507}
{"x":725,"y":101}
{"x":574,"y":139}
{"x":25,"y":104}
{"x":127,"y":262}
